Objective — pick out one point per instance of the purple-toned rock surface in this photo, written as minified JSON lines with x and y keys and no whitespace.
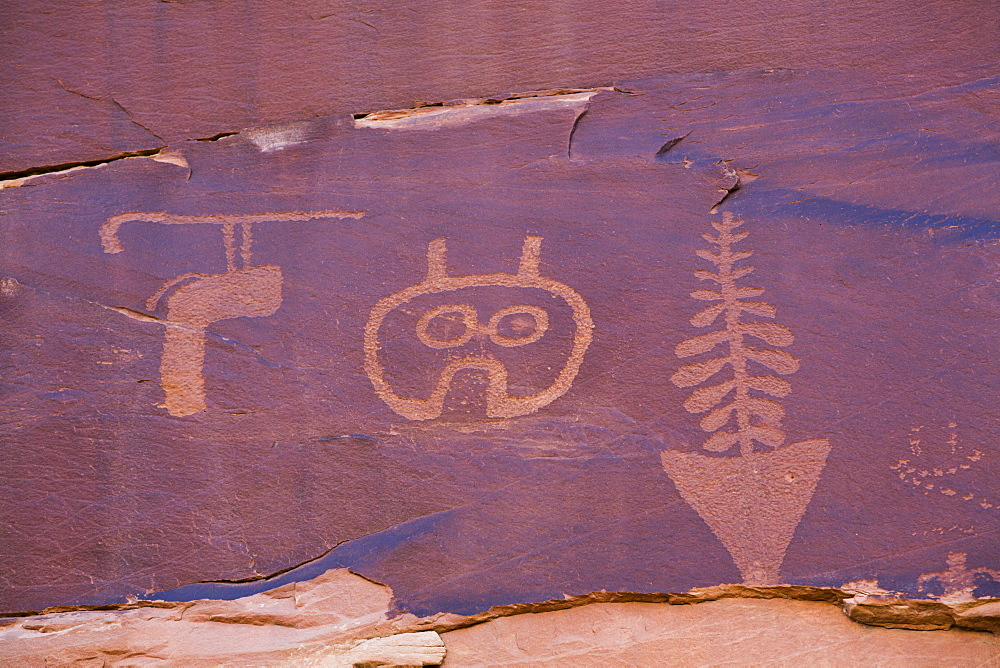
{"x":499,"y":352}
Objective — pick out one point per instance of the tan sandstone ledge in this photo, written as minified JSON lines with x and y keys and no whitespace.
{"x":342,"y":619}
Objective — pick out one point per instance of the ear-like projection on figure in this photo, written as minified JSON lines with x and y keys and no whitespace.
{"x":244,"y":291}
{"x":499,"y":402}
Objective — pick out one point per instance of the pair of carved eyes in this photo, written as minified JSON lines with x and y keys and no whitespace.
{"x":470,"y":318}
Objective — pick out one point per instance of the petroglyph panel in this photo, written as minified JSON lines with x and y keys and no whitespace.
{"x":501,"y":382}
{"x":958,"y":581}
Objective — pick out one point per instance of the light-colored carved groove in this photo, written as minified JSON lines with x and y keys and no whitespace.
{"x":943,"y":479}
{"x":754,"y":500}
{"x":109,"y":230}
{"x":758,"y":419}
{"x":243,"y":290}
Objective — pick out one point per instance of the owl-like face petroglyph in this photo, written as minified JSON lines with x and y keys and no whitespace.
{"x":471,"y":326}
{"x":471,"y":331}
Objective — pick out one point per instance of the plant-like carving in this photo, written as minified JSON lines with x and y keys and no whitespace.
{"x":757,"y":418}
{"x":752,"y":499}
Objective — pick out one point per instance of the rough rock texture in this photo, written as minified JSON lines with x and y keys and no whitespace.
{"x":87,"y":80}
{"x":500,"y":305}
{"x":341,"y":619}
{"x":731,"y":632}
{"x":337,"y":619}
{"x":486,"y":376}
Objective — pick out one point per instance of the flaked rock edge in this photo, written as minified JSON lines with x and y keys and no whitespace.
{"x":981,"y":614}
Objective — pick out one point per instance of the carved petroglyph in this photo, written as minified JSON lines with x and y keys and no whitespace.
{"x":941,"y":479}
{"x":109,"y":230}
{"x":246,"y":290}
{"x":758,"y":419}
{"x":958,"y":581}
{"x":752,"y":502}
{"x":470,"y":318}
{"x":754,"y":498}
{"x":530,"y":321}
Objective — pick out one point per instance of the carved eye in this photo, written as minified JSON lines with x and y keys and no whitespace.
{"x":527,"y":322}
{"x":446,"y":325}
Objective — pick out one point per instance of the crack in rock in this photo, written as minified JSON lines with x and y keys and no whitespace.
{"x":216,"y":137}
{"x":572,"y":131}
{"x":434,"y":115}
{"x":13,"y":179}
{"x":668,"y":146}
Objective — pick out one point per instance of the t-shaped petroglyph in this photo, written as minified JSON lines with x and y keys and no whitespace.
{"x":499,"y":402}
{"x":249,"y":291}
{"x":754,"y":498}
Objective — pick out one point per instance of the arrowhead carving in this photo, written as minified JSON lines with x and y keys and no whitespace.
{"x":752,"y":502}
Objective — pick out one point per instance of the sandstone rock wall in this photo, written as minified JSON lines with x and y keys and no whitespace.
{"x":496,"y":305}
{"x":341,"y":619}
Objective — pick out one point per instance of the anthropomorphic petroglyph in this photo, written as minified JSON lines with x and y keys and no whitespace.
{"x":499,"y":402}
{"x":248,"y":290}
{"x":754,"y":498}
{"x":959,"y":582}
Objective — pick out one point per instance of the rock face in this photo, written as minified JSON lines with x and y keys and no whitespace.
{"x":337,"y":619}
{"x":497,"y":308}
{"x":102,"y":81}
{"x":340,"y":619}
{"x":489,"y":377}
{"x":730,"y":632}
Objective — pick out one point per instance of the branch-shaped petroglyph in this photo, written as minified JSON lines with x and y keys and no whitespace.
{"x":757,"y":418}
{"x":752,"y":501}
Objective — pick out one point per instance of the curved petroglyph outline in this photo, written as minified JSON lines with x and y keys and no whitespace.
{"x":247,"y":291}
{"x":498,"y":402}
{"x":470,"y":320}
{"x":754,"y":500}
{"x":541,"y":325}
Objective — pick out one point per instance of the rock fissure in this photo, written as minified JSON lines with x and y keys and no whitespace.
{"x":572,"y":132}
{"x":16,"y":178}
{"x":431,"y":115}
{"x":669,"y":145}
{"x":278,"y":573}
{"x":733,"y":179}
{"x":216,"y":137}
{"x":132,"y":120}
